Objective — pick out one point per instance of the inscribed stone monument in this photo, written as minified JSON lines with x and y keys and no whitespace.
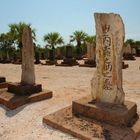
{"x":91,"y":50}
{"x":106,"y":85}
{"x":108,"y":105}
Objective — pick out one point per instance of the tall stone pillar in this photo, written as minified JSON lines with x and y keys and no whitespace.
{"x":91,"y":50}
{"x":28,"y":71}
{"x":106,"y":85}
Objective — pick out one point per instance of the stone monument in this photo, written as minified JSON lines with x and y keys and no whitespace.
{"x":51,"y":57}
{"x":78,"y":52}
{"x":127,"y":53}
{"x":42,"y":56}
{"x":58,"y":53}
{"x":105,"y":114}
{"x":37,"y":58}
{"x":27,"y":90}
{"x":91,"y":50}
{"x":28,"y":70}
{"x":90,"y":61}
{"x":68,"y":60}
{"x":106,"y":85}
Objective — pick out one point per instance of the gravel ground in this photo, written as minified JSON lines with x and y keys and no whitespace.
{"x":67,"y":84}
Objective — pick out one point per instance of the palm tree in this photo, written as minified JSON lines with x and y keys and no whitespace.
{"x":17,"y":29}
{"x":129,"y":41}
{"x":53,"y":39}
{"x":79,"y":37}
{"x":90,"y":39}
{"x":6,"y":44}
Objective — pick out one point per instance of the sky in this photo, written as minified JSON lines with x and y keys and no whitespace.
{"x":67,"y":16}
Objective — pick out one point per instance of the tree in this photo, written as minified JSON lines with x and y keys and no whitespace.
{"x":129,"y":41}
{"x":6,"y":44}
{"x":79,"y":37}
{"x":17,"y":29}
{"x":90,"y":39}
{"x":53,"y":39}
{"x":137,"y":44}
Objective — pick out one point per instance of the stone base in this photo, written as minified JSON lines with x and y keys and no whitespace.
{"x":66,"y":65}
{"x":120,"y":115}
{"x":129,"y":57}
{"x":37,"y":62}
{"x":2,"y":79}
{"x":124,"y":66}
{"x":13,"y":101}
{"x":19,"y":89}
{"x":51,"y":62}
{"x":87,"y":65}
{"x":5,"y":61}
{"x":4,"y":85}
{"x":68,"y":62}
{"x":89,"y":129}
{"x":18,"y":62}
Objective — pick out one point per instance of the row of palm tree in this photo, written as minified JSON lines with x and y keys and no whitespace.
{"x":12,"y":40}
{"x":53,"y":39}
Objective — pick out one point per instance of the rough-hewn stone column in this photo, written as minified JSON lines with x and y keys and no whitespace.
{"x":28,"y":72}
{"x":91,"y":50}
{"x":106,"y":85}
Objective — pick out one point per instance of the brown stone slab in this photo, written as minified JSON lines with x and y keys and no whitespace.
{"x":86,"y":65}
{"x":106,"y":112}
{"x":21,"y":89}
{"x":13,"y":101}
{"x":49,"y":62}
{"x":2,"y":79}
{"x":124,"y":66}
{"x":89,"y":129}
{"x":4,"y":85}
{"x":66,"y":65}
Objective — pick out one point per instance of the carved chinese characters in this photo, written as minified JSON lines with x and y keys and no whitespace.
{"x":107,"y":58}
{"x":106,"y":85}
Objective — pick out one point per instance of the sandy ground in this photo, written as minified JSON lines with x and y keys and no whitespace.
{"x":67,"y":84}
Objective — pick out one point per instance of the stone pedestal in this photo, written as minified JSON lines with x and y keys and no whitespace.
{"x":129,"y":57}
{"x":88,"y":63}
{"x":2,"y":79}
{"x":20,"y":89}
{"x":89,"y":129}
{"x":68,"y":62}
{"x":49,"y":62}
{"x":13,"y":101}
{"x":124,"y":66}
{"x":119,"y":115}
{"x":3,"y":83}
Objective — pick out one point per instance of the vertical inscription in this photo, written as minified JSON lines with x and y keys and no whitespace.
{"x":107,"y":70}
